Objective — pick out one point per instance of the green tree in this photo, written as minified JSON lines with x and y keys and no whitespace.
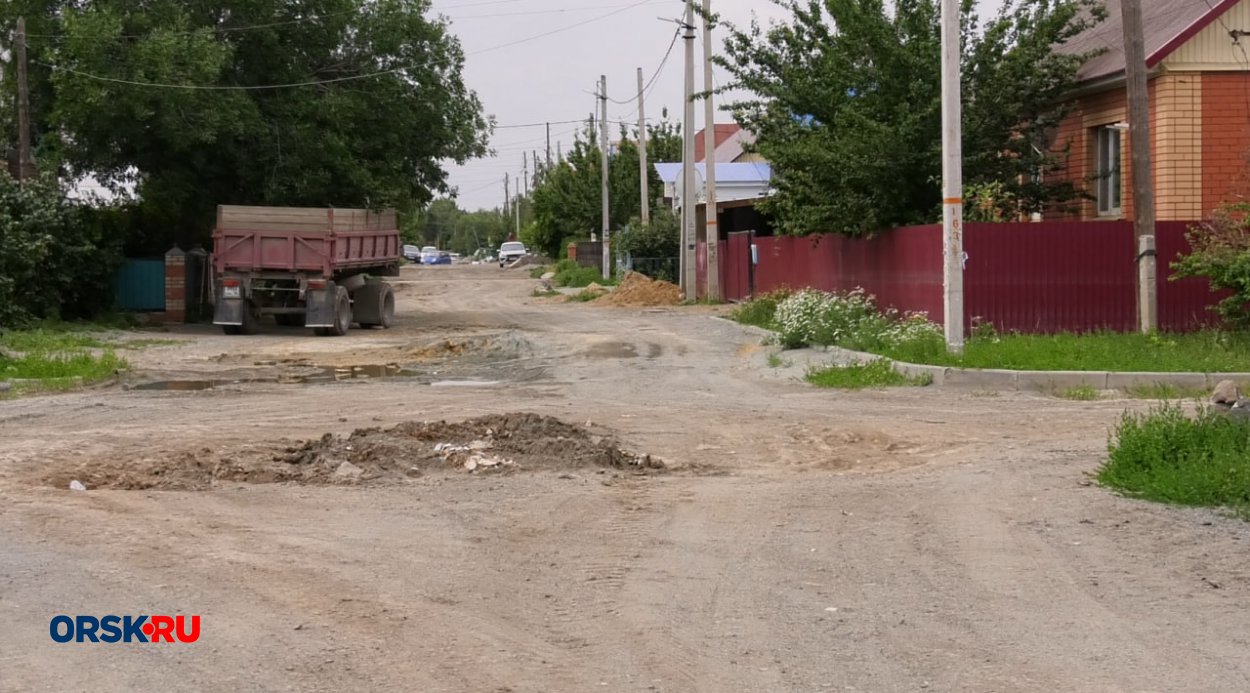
{"x":846,"y":105}
{"x":567,"y":202}
{"x":386,"y":108}
{"x":56,"y":258}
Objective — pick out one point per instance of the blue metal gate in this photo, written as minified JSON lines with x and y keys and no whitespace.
{"x":140,"y":285}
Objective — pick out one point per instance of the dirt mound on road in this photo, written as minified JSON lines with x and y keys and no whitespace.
{"x":639,"y":290}
{"x":494,"y":444}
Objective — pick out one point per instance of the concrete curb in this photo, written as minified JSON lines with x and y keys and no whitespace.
{"x":1003,"y":379}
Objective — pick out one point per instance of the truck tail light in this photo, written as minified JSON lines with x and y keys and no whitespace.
{"x":230,"y":288}
{"x":229,"y":282}
{"x":316,"y":284}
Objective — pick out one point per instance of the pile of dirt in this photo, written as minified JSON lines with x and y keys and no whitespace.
{"x":494,"y":444}
{"x":640,"y":290}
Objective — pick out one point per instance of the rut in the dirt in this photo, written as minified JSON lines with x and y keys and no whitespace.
{"x":494,"y":444}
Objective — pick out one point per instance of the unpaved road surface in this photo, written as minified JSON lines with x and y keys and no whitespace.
{"x":794,"y":540}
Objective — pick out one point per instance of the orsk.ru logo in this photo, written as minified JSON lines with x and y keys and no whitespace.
{"x":112,"y":629}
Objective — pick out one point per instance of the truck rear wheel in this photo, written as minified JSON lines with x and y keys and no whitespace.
{"x":385,"y":302}
{"x":342,"y":316}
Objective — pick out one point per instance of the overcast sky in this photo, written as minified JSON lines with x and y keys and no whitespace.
{"x":552,"y":77}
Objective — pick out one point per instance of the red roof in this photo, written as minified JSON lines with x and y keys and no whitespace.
{"x":723,"y":132}
{"x":1166,"y":24}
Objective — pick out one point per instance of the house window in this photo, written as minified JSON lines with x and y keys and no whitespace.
{"x":1108,"y":171}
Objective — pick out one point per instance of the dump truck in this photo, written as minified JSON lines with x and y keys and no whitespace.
{"x":307,"y":267}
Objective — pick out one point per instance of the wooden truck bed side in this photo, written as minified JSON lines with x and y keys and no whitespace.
{"x":296,"y":239}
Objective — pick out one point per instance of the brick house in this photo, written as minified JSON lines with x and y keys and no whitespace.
{"x":1199,"y":60}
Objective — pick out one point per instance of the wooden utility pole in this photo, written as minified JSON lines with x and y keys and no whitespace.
{"x":689,"y":270}
{"x":1143,"y":185}
{"x":25,"y":161}
{"x":642,"y":156}
{"x":603,"y":149}
{"x":952,"y":181}
{"x":709,"y":162}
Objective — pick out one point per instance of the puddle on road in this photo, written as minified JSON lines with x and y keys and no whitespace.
{"x":612,"y":350}
{"x":326,"y":374}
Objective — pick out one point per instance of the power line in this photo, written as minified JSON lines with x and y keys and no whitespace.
{"x":651,"y":82}
{"x":219,"y":87}
{"x":601,"y":17}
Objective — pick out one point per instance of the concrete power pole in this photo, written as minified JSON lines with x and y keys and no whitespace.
{"x":525,"y":172}
{"x":952,"y":181}
{"x":1143,"y":185}
{"x":689,"y":271}
{"x":603,"y":149}
{"x":709,"y":162}
{"x":507,"y":195}
{"x":642,"y":156}
{"x":25,"y":161}
{"x":548,"y":146}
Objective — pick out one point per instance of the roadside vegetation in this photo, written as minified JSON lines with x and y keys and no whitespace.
{"x":852,"y":320}
{"x":571,"y":274}
{"x":858,"y":376}
{"x":39,"y":360}
{"x":1164,"y":455}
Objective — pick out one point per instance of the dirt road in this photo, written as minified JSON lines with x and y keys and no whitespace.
{"x":798,"y":540}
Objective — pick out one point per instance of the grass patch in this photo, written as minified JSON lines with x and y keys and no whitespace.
{"x":66,"y":368}
{"x":538,"y":272}
{"x":544,"y":293}
{"x":573,"y":275}
{"x":42,"y":339}
{"x":1165,"y":456}
{"x":861,"y":375}
{"x":1203,"y":352}
{"x":760,"y":311}
{"x":1167,"y":392}
{"x":585,"y":295}
{"x":1080,"y":393}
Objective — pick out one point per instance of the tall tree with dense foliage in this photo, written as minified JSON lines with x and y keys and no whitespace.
{"x":316,"y":102}
{"x":846,"y":103}
{"x":567,"y":202}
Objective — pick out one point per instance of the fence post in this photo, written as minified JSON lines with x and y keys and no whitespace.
{"x":175,"y":285}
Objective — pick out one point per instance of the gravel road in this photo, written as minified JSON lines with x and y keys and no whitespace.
{"x":798,"y":540}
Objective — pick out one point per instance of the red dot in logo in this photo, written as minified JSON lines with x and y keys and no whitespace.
{"x":148,"y":629}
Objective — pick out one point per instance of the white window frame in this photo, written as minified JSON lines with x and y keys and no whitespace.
{"x":1108,"y":166}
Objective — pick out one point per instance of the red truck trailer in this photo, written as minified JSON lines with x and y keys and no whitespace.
{"x":310,"y":267}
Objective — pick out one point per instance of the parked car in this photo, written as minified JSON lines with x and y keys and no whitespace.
{"x":510,"y":251}
{"x":429,"y":255}
{"x":412,"y":253}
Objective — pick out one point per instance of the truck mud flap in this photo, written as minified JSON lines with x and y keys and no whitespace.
{"x":320,"y":306}
{"x":229,"y":311}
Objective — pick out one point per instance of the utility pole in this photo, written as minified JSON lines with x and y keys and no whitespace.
{"x":952,"y":181}
{"x":689,"y":271}
{"x":548,"y":146}
{"x":25,"y":162}
{"x":507,"y":196}
{"x":603,"y":149}
{"x":709,"y":162}
{"x":525,"y":172}
{"x":642,"y":156}
{"x":1143,"y":185}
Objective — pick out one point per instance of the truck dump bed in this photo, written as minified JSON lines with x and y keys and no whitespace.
{"x":303,"y":239}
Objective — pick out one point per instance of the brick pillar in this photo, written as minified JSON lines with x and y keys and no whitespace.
{"x":573,"y":252}
{"x":175,"y":285}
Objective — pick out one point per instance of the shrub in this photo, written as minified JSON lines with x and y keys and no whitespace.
{"x":760,"y":311}
{"x":569,"y":273}
{"x":1220,"y":251}
{"x":812,"y":317}
{"x":56,"y":259}
{"x":1164,"y":455}
{"x":857,"y":376}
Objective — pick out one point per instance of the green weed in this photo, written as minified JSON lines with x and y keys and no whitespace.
{"x":538,"y":272}
{"x":1165,"y":456}
{"x":585,"y":295}
{"x":1168,"y":392}
{"x":760,"y":311}
{"x":861,"y":375}
{"x":775,"y":361}
{"x":1080,"y":393}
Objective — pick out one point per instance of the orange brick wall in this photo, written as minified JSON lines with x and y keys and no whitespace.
{"x":1200,"y":133}
{"x":1225,"y":138}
